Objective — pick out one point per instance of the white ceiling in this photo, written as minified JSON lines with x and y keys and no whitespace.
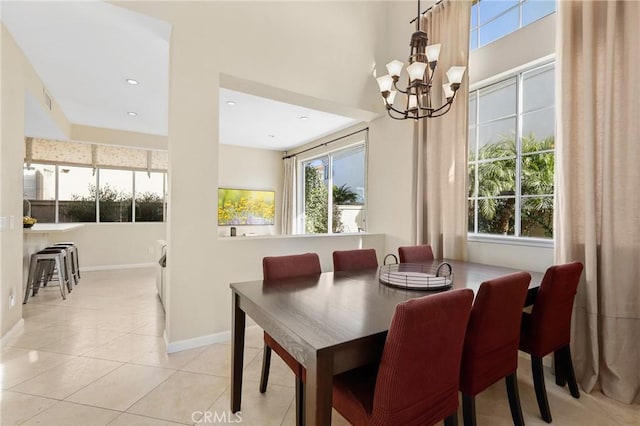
{"x":85,"y":50}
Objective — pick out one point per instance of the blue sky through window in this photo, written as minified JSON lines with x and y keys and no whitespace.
{"x":492,"y":19}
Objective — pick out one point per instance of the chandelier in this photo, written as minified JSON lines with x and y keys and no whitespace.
{"x":423,"y":62}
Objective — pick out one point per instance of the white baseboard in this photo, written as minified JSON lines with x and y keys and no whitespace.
{"x":196,"y":342}
{"x":17,"y":327}
{"x":114,"y":267}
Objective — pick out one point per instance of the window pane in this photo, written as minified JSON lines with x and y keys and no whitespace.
{"x":496,"y":216}
{"x":76,"y":194}
{"x":538,"y":125}
{"x":472,"y":144}
{"x":538,"y":89}
{"x":473,"y":39}
{"x":497,"y":139}
{"x":500,"y":27}
{"x":497,"y":178}
{"x":537,"y":217}
{"x":316,"y":201}
{"x":498,"y":100}
{"x":537,"y":174}
{"x":533,"y":10}
{"x":149,"y":197}
{"x":39,"y":192}
{"x":348,"y":189}
{"x":116,"y":188}
{"x":472,"y":180}
{"x":474,"y":15}
{"x":490,"y":8}
{"x":472,"y":109}
{"x":472,"y":216}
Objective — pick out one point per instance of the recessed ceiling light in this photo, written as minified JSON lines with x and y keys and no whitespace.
{"x":132,"y":81}
{"x":272,"y":136}
{"x":231,"y":103}
{"x":304,"y":117}
{"x":132,"y":114}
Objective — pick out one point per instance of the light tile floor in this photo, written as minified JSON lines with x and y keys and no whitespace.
{"x":98,"y":358}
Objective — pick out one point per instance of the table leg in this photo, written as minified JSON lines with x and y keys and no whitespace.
{"x":318,"y":390}
{"x":237,"y":352}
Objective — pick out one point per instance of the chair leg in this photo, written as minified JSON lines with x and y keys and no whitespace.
{"x":559,"y":368}
{"x":541,"y":392}
{"x":514,"y":399}
{"x":61,"y":278}
{"x":30,"y":278}
{"x":266,"y":364}
{"x":468,"y":410}
{"x":299,"y":401}
{"x":452,"y":420}
{"x":568,"y":373}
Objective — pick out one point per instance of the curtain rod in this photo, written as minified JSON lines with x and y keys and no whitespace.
{"x":326,"y":143}
{"x":428,"y":9}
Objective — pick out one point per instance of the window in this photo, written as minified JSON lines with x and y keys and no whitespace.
{"x":334,"y":182}
{"x":39,"y":192}
{"x":511,"y":155}
{"x":76,"y":194}
{"x":492,"y":19}
{"x":64,"y":194}
{"x":150,"y":195}
{"x":115,"y":195}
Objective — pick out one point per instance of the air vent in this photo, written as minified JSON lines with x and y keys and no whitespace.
{"x":47,"y":99}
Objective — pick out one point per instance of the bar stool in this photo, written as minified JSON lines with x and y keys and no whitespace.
{"x":51,"y":269}
{"x":75,"y":262}
{"x":41,"y":265}
{"x":68,"y":262}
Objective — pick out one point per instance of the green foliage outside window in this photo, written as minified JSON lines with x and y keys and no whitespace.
{"x":497,"y":182}
{"x":115,"y":206}
{"x":316,"y":202}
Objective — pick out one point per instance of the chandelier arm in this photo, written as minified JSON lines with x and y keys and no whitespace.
{"x":403,"y":117}
{"x":404,"y":113}
{"x":447,"y":105}
{"x":395,"y":86}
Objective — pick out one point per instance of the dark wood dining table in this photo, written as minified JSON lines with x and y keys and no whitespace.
{"x":331,"y":323}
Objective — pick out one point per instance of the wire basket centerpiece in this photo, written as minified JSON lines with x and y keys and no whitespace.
{"x":417,"y":276}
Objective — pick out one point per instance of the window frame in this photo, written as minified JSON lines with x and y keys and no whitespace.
{"x":96,"y":175}
{"x":518,"y":74}
{"x":300,"y":229}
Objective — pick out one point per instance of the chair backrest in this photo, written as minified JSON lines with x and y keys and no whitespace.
{"x":349,"y":260}
{"x":550,"y":325}
{"x":295,"y":265}
{"x":491,"y":343}
{"x":417,"y":381}
{"x":415,"y":254}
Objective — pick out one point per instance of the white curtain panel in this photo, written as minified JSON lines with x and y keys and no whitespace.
{"x":289,"y":196}
{"x":440,"y":144}
{"x":597,"y":178}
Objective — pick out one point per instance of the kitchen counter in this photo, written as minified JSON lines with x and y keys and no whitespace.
{"x":51,"y":228}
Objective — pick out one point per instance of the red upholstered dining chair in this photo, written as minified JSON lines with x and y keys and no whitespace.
{"x":547,"y":329}
{"x":416,"y":382}
{"x":349,"y":260}
{"x":491,"y":344}
{"x":415,"y":254}
{"x":281,"y":267}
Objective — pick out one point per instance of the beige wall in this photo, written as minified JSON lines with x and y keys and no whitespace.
{"x":250,"y":168}
{"x":270,"y":43}
{"x":17,"y":77}
{"x":108,"y":245}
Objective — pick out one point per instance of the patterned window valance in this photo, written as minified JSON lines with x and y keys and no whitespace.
{"x":94,"y":155}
